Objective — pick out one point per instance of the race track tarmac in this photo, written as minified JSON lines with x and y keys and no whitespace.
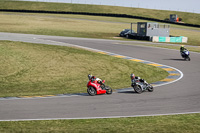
{"x":182,"y":96}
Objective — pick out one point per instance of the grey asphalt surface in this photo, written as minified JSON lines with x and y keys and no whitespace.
{"x":182,"y":96}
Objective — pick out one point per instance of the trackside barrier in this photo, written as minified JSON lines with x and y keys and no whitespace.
{"x":180,"y":39}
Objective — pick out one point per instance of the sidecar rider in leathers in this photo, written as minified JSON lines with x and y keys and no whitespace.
{"x":135,"y":79}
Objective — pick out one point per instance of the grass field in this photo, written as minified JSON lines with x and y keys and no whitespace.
{"x":33,"y":69}
{"x":46,"y":6}
{"x":80,"y":26}
{"x":188,"y":123}
{"x":62,"y":26}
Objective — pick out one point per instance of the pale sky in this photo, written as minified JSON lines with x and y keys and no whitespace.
{"x":174,"y":5}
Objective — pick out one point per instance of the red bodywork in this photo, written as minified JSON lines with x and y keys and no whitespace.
{"x":96,"y":85}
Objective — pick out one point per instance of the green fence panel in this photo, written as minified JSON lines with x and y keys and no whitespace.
{"x":176,"y":39}
{"x":162,"y":39}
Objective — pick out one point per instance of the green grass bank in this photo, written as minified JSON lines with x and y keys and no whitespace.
{"x":191,"y":18}
{"x":36,"y":69}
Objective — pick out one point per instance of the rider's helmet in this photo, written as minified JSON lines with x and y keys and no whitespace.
{"x":93,"y":77}
{"x":182,"y":47}
{"x":99,"y":81}
{"x":132,"y":76}
{"x":89,"y":76}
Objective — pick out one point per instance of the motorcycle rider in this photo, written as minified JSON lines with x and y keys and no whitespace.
{"x":182,"y":48}
{"x":89,"y":76}
{"x":135,"y":79}
{"x":94,"y":79}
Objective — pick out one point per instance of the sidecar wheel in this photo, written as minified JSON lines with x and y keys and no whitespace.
{"x":108,"y":90}
{"x":150,"y":89}
{"x":138,"y":89}
{"x":91,"y":91}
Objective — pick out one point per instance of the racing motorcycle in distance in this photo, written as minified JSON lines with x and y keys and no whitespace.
{"x":96,"y":87}
{"x":139,"y":86}
{"x":186,"y":55}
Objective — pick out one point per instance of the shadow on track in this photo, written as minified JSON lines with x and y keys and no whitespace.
{"x":127,"y":92}
{"x":175,"y":59}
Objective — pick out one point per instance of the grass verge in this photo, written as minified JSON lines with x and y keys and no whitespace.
{"x":36,"y":69}
{"x":188,"y":123}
